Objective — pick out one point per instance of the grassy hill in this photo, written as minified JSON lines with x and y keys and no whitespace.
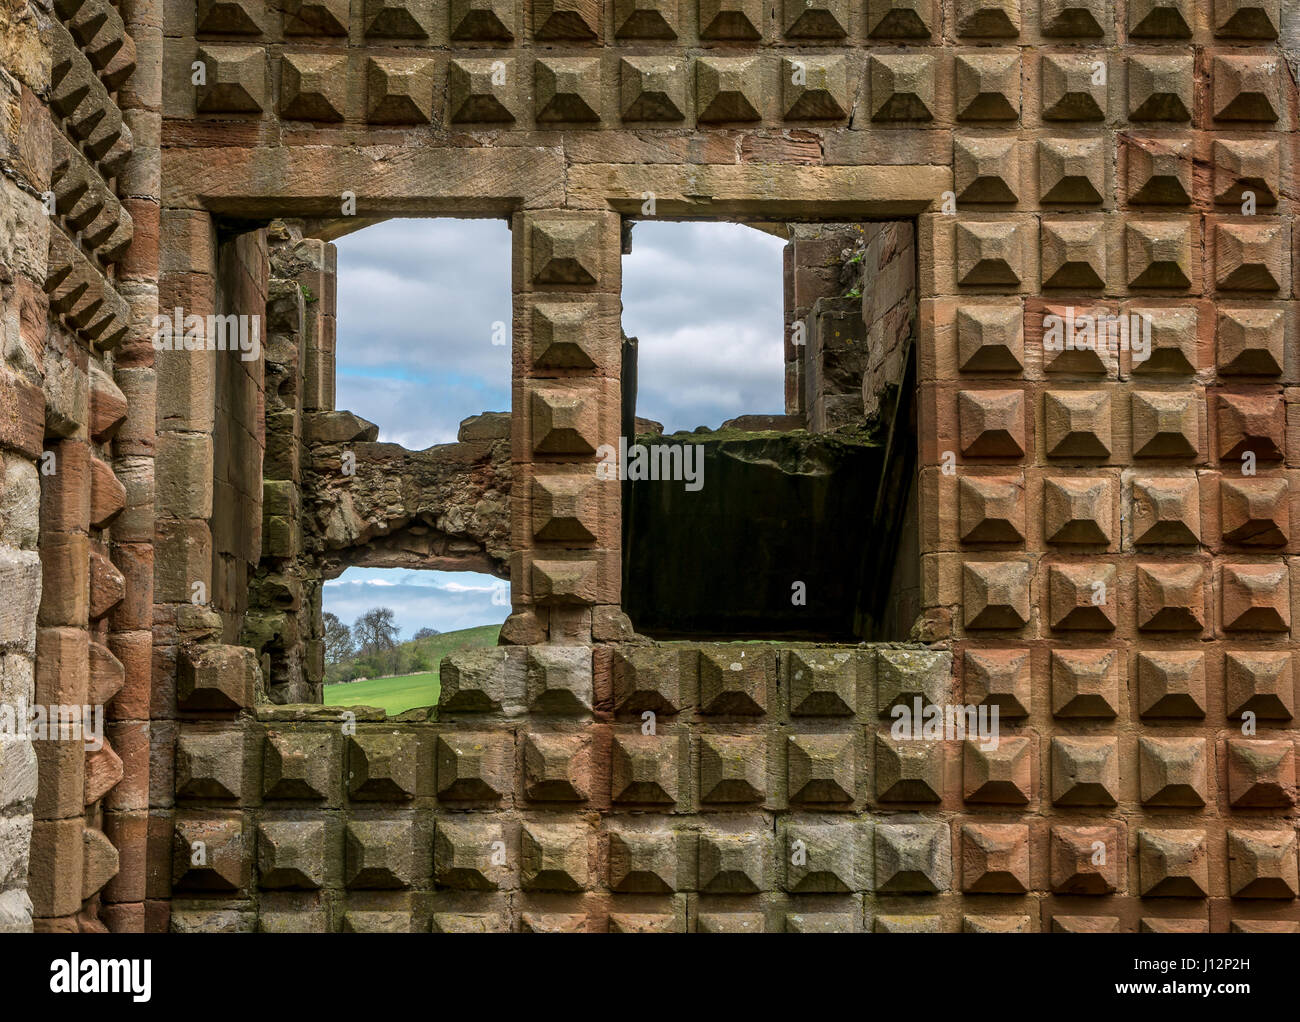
{"x":405,"y":692}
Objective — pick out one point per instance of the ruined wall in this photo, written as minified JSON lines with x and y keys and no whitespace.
{"x":239,"y":436}
{"x":883,"y":272}
{"x":24,"y":247}
{"x":850,"y":292}
{"x":358,"y":502}
{"x":835,"y":362}
{"x":812,"y":269}
{"x":850,"y":320}
{"x":283,"y":625}
{"x":445,"y":508}
{"x":851,"y":299}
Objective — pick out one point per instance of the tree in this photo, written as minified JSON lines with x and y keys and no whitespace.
{"x":426,"y":633}
{"x":376,"y":634}
{"x":338,"y":640}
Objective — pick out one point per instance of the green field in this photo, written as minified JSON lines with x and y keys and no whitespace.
{"x":406,"y":692}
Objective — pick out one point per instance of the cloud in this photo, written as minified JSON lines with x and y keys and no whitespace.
{"x":447,"y":601}
{"x":418,"y":301}
{"x":706,"y":304}
{"x":457,"y":587}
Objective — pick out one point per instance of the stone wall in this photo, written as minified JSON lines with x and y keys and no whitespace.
{"x":80,"y":164}
{"x":884,"y":273}
{"x":638,"y":788}
{"x":851,"y":297}
{"x":283,"y":625}
{"x":812,"y":264}
{"x":24,"y":247}
{"x":239,"y":437}
{"x":445,"y":508}
{"x":700,"y":788}
{"x":850,"y":310}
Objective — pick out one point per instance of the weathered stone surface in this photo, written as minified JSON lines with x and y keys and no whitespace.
{"x":474,"y":766}
{"x":291,"y":854}
{"x":445,"y":508}
{"x":473,"y":680}
{"x":20,"y":503}
{"x":382,"y":767}
{"x":300,"y":765}
{"x":1095,"y":533}
{"x":235,"y":80}
{"x":555,"y":857}
{"x":382,"y":854}
{"x":102,"y":772}
{"x":559,"y":679}
{"x":912,"y":858}
{"x":20,"y":576}
{"x":216,"y":678}
{"x":399,"y":90}
{"x":557,"y":768}
{"x":734,"y":861}
{"x":480,"y":90}
{"x":826,"y":859}
{"x":645,"y":769}
{"x":643,"y":862}
{"x":567,"y":89}
{"x":210,"y":854}
{"x":312,"y":87}
{"x":99,"y":861}
{"x":466,"y":855}
{"x":728,"y":89}
{"x":210,"y":765}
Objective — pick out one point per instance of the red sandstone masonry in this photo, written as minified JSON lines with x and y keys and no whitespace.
{"x":72,"y":320}
{"x":1026,"y":185}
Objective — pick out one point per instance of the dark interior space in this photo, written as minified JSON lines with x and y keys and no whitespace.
{"x":801,"y":526}
{"x":776,"y":510}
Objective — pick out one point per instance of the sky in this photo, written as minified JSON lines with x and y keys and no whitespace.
{"x":705,"y":303}
{"x":421,"y":302}
{"x":445,"y":600}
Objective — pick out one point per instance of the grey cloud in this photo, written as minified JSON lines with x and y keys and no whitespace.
{"x":418,"y":300}
{"x":705,"y":302}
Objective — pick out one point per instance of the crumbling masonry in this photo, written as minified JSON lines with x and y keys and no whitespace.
{"x":1108,"y":547}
